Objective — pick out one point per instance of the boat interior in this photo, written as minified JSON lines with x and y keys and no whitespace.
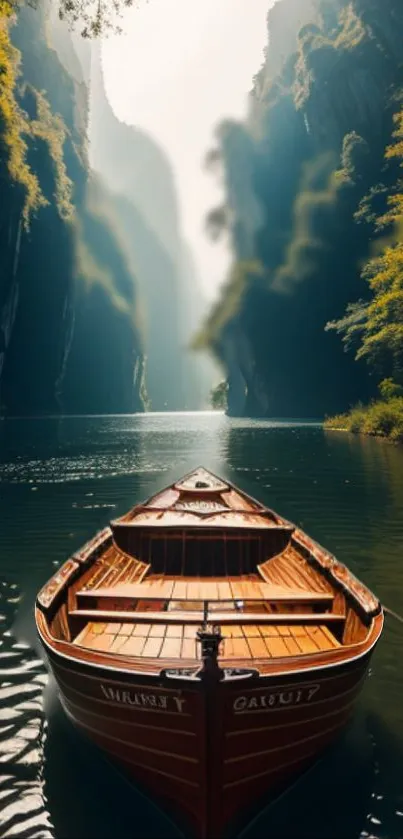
{"x":203,"y":553}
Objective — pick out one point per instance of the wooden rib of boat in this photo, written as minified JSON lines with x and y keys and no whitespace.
{"x":209,"y":646}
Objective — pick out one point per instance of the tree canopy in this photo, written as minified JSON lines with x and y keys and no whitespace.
{"x":92,"y":18}
{"x":218,"y":397}
{"x":375,"y":329}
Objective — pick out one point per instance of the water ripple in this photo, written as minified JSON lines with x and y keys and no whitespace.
{"x":23,"y":809}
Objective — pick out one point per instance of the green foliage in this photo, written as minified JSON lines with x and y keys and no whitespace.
{"x":219,"y":397}
{"x":14,"y":126}
{"x":355,"y":157}
{"x":352,"y":30}
{"x":352,"y":325}
{"x":315,"y":200}
{"x":388,"y":389}
{"x":19,"y":133}
{"x":396,"y":149}
{"x":51,"y":129}
{"x":382,"y":341}
{"x":375,"y":329}
{"x":95,"y":18}
{"x":380,"y":419}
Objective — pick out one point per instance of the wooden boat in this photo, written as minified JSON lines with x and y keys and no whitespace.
{"x":208,"y":646}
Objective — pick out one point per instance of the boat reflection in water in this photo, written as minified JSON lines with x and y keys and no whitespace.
{"x":209,"y":647}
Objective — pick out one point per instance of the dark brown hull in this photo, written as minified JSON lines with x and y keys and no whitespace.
{"x":210,"y":756}
{"x":209,"y":647}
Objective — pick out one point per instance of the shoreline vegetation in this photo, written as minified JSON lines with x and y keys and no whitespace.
{"x":382,"y":418}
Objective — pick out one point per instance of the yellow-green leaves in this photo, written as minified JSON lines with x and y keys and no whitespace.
{"x":14,"y":126}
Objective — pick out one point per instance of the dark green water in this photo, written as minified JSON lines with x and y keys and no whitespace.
{"x":60,"y":480}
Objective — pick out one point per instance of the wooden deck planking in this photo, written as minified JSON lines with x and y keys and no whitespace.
{"x":236,"y":590}
{"x":157,"y":630}
{"x":190,"y":648}
{"x":251,"y":589}
{"x":237,"y":631}
{"x":81,"y":637}
{"x":330,"y":637}
{"x":171,"y":648}
{"x":228,"y":648}
{"x":117,"y":643}
{"x":179,"y":590}
{"x":296,"y":630}
{"x":276,"y":647}
{"x":125,"y":569}
{"x":224,"y":590}
{"x":174,"y":631}
{"x":269,"y":631}
{"x":112,"y":628}
{"x":292,"y":646}
{"x":140,"y":630}
{"x":112,"y":568}
{"x":164,"y":588}
{"x":307,"y":645}
{"x":212,"y":590}
{"x":136,"y":572}
{"x":317,"y":636}
{"x":252,"y":631}
{"x":101,"y":643}
{"x":240,"y":648}
{"x":246,"y":641}
{"x":291,"y":570}
{"x":206,"y":591}
{"x":99,"y":628}
{"x":133,"y":646}
{"x":258,"y":647}
{"x":152,"y":647}
{"x":283,"y":630}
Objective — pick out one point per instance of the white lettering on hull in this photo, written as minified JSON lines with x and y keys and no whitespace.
{"x":148,"y":701}
{"x":274,"y":700}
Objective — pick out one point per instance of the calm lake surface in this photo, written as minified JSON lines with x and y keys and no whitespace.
{"x":62,"y":479}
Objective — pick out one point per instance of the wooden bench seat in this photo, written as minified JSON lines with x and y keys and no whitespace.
{"x":261,"y":592}
{"x":215,"y":618}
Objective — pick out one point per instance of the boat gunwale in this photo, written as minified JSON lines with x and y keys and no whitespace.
{"x":202,"y":524}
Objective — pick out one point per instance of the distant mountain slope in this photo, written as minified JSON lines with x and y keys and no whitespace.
{"x":142,"y":188}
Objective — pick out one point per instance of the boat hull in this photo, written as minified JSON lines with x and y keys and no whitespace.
{"x":210,"y":755}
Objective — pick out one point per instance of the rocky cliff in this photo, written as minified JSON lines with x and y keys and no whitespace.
{"x":297,"y":173}
{"x":69,"y":339}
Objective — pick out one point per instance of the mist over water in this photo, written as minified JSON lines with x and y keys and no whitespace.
{"x":62,"y":479}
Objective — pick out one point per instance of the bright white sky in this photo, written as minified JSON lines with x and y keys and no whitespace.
{"x":180,"y":68}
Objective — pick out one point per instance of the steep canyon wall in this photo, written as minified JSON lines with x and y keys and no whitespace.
{"x":297,"y":175}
